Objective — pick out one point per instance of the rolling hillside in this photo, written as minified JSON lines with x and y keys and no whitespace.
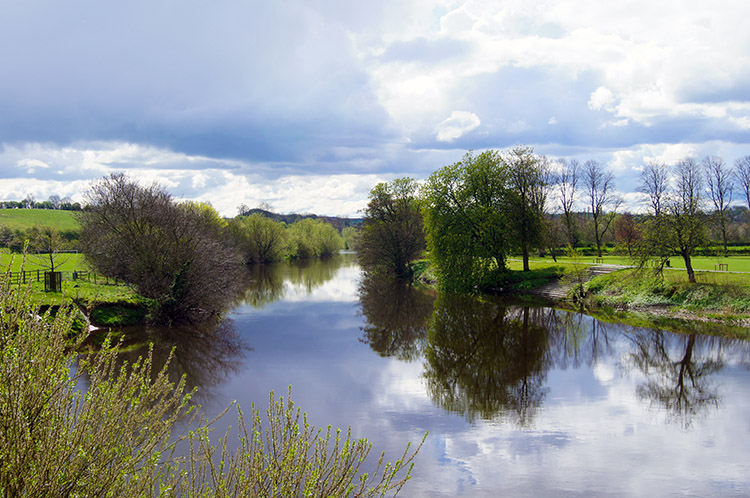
{"x":24,"y":219}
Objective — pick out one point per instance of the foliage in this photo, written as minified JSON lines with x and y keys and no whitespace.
{"x":392,"y":235}
{"x":312,"y":238}
{"x":466,"y":223}
{"x":350,"y":235}
{"x":178,"y":255}
{"x":259,"y":239}
{"x":115,"y":437}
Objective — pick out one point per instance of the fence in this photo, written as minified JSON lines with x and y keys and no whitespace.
{"x":24,"y":277}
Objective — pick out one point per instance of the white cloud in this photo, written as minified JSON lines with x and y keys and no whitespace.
{"x":457,"y":125}
{"x":602,"y":99}
{"x":32,"y":165}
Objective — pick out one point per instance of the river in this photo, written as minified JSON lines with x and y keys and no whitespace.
{"x":518,"y":400}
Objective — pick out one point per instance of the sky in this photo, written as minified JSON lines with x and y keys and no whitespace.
{"x":306,"y":105}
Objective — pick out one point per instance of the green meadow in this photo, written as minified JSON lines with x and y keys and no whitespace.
{"x":23,"y":219}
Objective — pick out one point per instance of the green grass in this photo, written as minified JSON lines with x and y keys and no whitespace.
{"x":719,"y":294}
{"x":33,"y":262}
{"x":24,"y":219}
{"x":736,"y":263}
{"x":106,"y":304}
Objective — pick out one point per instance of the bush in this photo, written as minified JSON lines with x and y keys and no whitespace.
{"x":115,"y":437}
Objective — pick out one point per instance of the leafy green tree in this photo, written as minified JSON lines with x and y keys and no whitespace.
{"x":260,"y":239}
{"x":392,"y":235}
{"x":466,"y":221}
{"x":312,"y":238}
{"x":527,"y":191}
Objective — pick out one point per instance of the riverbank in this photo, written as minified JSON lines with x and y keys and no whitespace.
{"x":637,"y":297}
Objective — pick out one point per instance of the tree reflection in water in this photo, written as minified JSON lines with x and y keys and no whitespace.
{"x":678,"y":371}
{"x":397,"y":316}
{"x":206,"y":353}
{"x":485,"y":359}
{"x":265,"y":285}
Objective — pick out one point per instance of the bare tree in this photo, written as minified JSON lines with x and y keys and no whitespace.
{"x":721,"y":187}
{"x":567,"y":184}
{"x":742,"y":174}
{"x":175,"y":254}
{"x":654,"y":184}
{"x":528,"y":176}
{"x":47,"y":242}
{"x":600,"y":191}
{"x":685,"y":230}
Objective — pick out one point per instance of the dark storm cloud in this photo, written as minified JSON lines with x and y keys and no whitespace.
{"x":249,"y":80}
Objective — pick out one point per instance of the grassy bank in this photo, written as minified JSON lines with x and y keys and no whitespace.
{"x":103,"y":302}
{"x":721,"y":297}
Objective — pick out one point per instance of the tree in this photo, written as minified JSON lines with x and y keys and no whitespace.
{"x":527,"y":176}
{"x":742,"y":174}
{"x":653,"y":182}
{"x":599,"y":189}
{"x":626,"y":232}
{"x":312,"y":238}
{"x":178,"y":255}
{"x":567,"y":185}
{"x":685,"y":224}
{"x":721,"y":187}
{"x":466,"y":221}
{"x":260,"y":239}
{"x":45,"y":242}
{"x":392,"y":234}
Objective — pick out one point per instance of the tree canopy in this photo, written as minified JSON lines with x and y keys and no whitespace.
{"x":392,"y":235}
{"x":176,"y":254}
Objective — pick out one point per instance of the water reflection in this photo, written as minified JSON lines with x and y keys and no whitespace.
{"x":489,"y":359}
{"x":397,"y":317}
{"x":269,"y":283}
{"x":485,"y":359}
{"x":678,"y":372}
{"x":207,"y":353}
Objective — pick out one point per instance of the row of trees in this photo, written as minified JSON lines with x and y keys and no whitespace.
{"x":54,"y":202}
{"x":475,"y":213}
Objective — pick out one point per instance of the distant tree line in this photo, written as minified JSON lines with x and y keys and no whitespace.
{"x":54,"y":202}
{"x":36,"y":239}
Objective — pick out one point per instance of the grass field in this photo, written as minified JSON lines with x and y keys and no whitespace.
{"x":24,"y":219}
{"x":735,"y":263}
{"x":33,"y":262}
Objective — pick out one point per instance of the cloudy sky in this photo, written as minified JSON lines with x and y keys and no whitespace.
{"x":306,"y":105}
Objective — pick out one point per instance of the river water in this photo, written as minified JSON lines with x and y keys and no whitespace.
{"x":518,"y":400}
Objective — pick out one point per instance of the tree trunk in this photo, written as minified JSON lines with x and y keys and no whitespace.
{"x":689,"y":267}
{"x":525,"y":255}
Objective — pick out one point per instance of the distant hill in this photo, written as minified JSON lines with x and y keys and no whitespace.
{"x":337,"y":223}
{"x":23,"y":219}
